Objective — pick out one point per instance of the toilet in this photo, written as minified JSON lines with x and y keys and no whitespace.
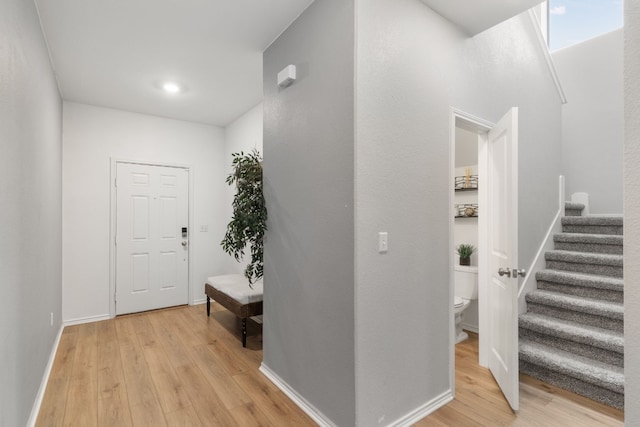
{"x":466,"y":289}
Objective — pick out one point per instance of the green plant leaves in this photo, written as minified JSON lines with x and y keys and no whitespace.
{"x":465,"y":250}
{"x":249,"y":220}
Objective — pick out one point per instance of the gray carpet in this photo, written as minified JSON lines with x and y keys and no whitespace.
{"x":582,"y":242}
{"x":593,"y":224}
{"x":585,"y":262}
{"x":572,"y":333}
{"x":573,"y":209}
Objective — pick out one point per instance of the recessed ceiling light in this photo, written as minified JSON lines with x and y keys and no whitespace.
{"x":171,"y":87}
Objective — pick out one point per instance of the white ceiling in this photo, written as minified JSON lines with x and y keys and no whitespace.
{"x":115,"y":53}
{"x":475,"y":16}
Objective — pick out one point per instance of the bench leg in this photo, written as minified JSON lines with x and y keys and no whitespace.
{"x":208,"y":306}
{"x":244,"y":332}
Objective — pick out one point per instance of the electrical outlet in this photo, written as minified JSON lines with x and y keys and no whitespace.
{"x":52,"y":318}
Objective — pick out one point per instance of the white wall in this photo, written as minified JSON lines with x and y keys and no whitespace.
{"x":412,"y":67}
{"x":592,"y":120}
{"x":92,"y":137}
{"x":466,"y":147}
{"x":243,"y":134}
{"x":30,"y":209}
{"x":632,"y":211}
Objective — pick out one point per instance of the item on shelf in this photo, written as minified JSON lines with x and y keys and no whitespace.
{"x":466,"y":182}
{"x":467,"y":210}
{"x":464,"y":252}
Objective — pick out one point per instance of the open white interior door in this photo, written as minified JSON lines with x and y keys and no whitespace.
{"x":502,"y":215}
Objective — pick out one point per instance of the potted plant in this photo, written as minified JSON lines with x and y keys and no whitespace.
{"x":465,"y":251}
{"x":249,"y":220}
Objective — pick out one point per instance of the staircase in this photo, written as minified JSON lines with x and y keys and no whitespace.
{"x":572,"y":333}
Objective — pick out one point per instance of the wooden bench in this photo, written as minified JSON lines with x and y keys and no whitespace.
{"x":232,"y":291}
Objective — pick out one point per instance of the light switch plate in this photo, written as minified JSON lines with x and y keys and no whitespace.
{"x":383,"y":242}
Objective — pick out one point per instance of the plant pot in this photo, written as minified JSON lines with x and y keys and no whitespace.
{"x":465,"y":261}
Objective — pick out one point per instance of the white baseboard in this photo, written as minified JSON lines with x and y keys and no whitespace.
{"x":406,"y":421}
{"x":89,"y":319}
{"x":424,"y":410}
{"x":307,"y":407}
{"x":35,"y":409}
{"x":199,"y":301}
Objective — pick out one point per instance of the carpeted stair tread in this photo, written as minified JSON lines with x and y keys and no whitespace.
{"x":574,"y":206}
{"x":579,"y":279}
{"x":573,"y":209}
{"x":587,"y":242}
{"x":584,"y":258}
{"x":593,"y":224}
{"x":585,"y":262}
{"x":598,"y":239}
{"x":572,"y":331}
{"x":613,"y":220}
{"x":606,"y":309}
{"x":579,"y":367}
{"x":599,"y":394}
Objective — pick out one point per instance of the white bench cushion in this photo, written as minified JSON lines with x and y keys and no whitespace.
{"x":236,"y":286}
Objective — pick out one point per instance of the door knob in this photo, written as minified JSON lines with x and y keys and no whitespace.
{"x":522,"y":272}
{"x":184,"y":243}
{"x":504,"y":272}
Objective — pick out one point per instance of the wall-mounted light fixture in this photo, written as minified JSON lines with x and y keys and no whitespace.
{"x":287,"y":76}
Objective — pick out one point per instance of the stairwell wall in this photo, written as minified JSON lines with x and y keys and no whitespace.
{"x":632,"y":210}
{"x":592,"y":120}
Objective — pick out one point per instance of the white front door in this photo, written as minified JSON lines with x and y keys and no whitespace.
{"x":502,"y":214}
{"x":152,"y":246}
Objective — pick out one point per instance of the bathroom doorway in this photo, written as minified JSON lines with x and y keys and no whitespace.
{"x":465,"y":225}
{"x":495,"y":211}
{"x":467,"y":137}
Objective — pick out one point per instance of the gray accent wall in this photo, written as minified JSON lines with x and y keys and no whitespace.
{"x":413,"y":66}
{"x":309,"y":174}
{"x":30,"y":209}
{"x":592,"y":120}
{"x":632,"y":211}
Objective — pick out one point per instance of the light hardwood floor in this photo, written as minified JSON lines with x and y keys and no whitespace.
{"x":479,"y":401}
{"x":176,"y":367}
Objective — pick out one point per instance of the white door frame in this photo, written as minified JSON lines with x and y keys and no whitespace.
{"x":112,"y":226}
{"x":483,"y":127}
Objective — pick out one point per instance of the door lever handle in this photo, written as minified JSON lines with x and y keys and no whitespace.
{"x":504,"y":272}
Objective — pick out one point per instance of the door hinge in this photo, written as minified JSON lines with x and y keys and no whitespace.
{"x":115,"y":182}
{"x":115,"y":240}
